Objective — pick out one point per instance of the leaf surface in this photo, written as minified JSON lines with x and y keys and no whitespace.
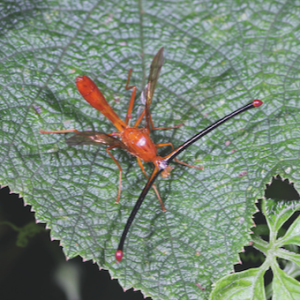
{"x":218,"y":57}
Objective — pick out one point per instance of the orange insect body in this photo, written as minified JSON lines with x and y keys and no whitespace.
{"x":94,"y":97}
{"x":135,"y":140}
{"x":139,"y":143}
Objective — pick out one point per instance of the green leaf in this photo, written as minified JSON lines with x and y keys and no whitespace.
{"x":292,"y":257}
{"x":249,"y":284}
{"x":293,"y":234}
{"x":278,"y":212}
{"x":284,"y":286}
{"x":218,"y":57}
{"x":244,"y":285}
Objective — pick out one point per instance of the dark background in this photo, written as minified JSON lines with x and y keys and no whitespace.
{"x":29,"y":271}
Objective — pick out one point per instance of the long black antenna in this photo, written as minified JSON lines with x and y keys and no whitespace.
{"x":172,"y":155}
{"x":155,"y":173}
{"x":167,"y":159}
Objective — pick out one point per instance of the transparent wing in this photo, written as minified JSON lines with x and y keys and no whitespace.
{"x":155,"y":68}
{"x":143,"y":94}
{"x":94,"y":138}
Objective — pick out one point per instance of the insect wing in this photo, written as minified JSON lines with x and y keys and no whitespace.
{"x":155,"y":68}
{"x":144,"y":94}
{"x":94,"y":138}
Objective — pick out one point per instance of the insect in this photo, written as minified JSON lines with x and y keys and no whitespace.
{"x":135,"y":140}
{"x":163,"y":165}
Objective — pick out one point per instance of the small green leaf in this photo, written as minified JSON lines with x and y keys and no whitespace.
{"x":250,"y":284}
{"x":293,"y":234}
{"x":278,"y":212}
{"x":247,"y":285}
{"x":290,"y":256}
{"x":284,"y":286}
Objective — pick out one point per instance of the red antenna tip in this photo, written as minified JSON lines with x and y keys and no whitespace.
{"x":119,"y":255}
{"x":257,"y":103}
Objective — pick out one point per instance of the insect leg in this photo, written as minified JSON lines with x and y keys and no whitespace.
{"x":158,"y":128}
{"x":131,"y":102}
{"x":59,"y":131}
{"x":151,"y":122}
{"x":175,"y":159}
{"x":154,"y":187}
{"x":120,"y":171}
